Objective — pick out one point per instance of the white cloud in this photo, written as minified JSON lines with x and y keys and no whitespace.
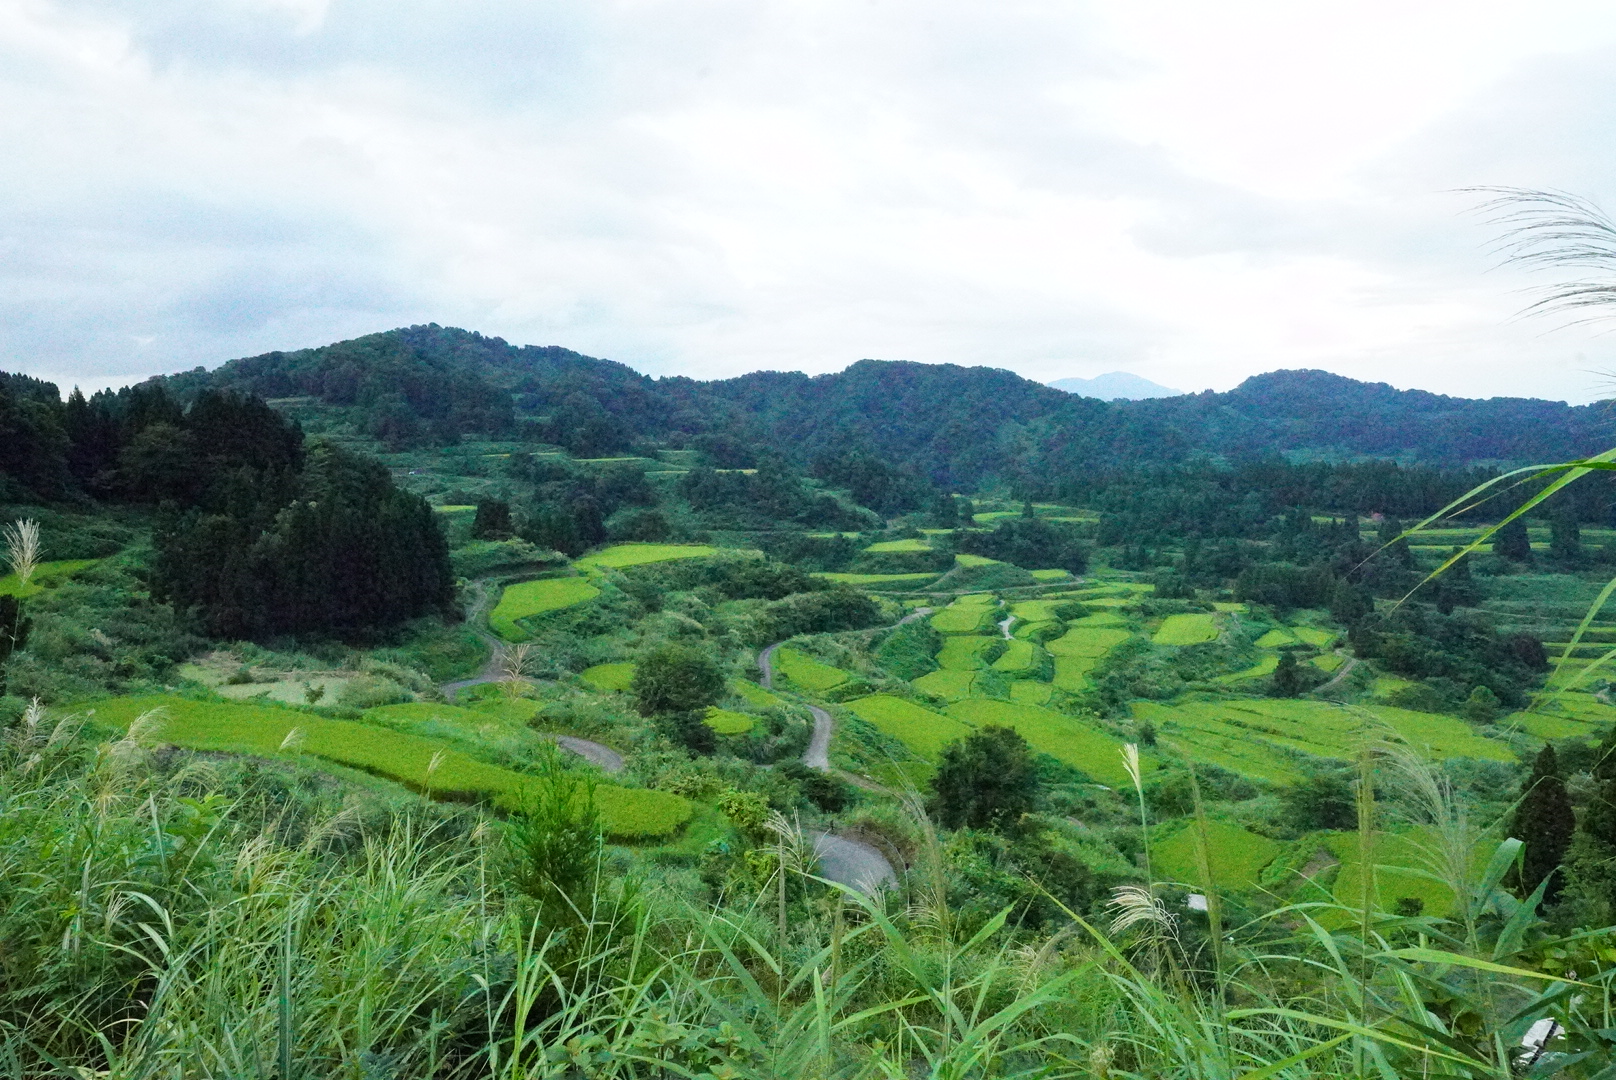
{"x":1194,"y":193}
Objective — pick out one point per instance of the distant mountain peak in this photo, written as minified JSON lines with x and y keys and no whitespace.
{"x":1114,"y":385}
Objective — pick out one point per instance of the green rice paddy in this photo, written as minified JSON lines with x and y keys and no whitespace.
{"x":1031,"y":692}
{"x":528,"y":598}
{"x":726,"y":722}
{"x":921,"y":730}
{"x":1263,"y":738}
{"x":1295,"y":635}
{"x":1060,"y":736}
{"x":1260,"y":670}
{"x":1080,"y":650}
{"x":1195,"y":628}
{"x":1050,"y":575}
{"x":424,"y":764}
{"x":878,"y":579}
{"x":948,"y":685}
{"x":961,"y":617}
{"x":1237,"y":855}
{"x":755,"y":695}
{"x":609,"y":677}
{"x":1035,"y":611}
{"x":619,"y":556}
{"x":965,"y":652}
{"x":1018,"y":657}
{"x":1401,"y":863}
{"x":1566,"y":715}
{"x":963,"y":559}
{"x":51,"y":572}
{"x":912,"y":544}
{"x":807,"y":672}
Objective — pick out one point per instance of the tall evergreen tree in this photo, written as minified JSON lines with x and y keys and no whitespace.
{"x":1512,"y":542}
{"x":493,"y":520}
{"x":1544,"y":822}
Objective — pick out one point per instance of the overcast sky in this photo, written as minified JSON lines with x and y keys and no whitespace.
{"x":1192,"y":192}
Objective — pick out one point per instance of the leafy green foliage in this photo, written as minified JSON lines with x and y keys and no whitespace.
{"x":986,"y":780}
{"x":553,"y":844}
{"x":676,"y":679}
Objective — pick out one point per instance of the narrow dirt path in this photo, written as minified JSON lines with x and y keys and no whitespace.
{"x":483,"y":600}
{"x":1004,"y":627}
{"x":483,"y":597}
{"x":1345,"y":670}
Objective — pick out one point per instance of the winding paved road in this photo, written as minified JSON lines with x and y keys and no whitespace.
{"x":841,"y":858}
{"x":604,"y":756}
{"x":852,"y":863}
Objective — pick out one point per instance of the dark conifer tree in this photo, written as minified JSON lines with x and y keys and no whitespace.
{"x":1287,"y":681}
{"x":1512,"y":542}
{"x":1544,"y":822}
{"x":493,"y":520}
{"x":1565,"y":538}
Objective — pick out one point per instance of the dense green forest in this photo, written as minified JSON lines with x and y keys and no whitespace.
{"x":422,"y":706}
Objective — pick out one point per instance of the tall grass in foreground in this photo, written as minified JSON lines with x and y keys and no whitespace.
{"x":167,"y":921}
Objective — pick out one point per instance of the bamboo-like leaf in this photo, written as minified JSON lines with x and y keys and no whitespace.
{"x":1438,"y":956}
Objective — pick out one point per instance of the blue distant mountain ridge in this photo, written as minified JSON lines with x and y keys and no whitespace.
{"x":1116,"y":386}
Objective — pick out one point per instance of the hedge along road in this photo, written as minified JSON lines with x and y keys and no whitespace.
{"x":604,"y":756}
{"x":841,"y":859}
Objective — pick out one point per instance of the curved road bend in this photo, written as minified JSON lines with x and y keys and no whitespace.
{"x":604,"y":756}
{"x":841,"y":859}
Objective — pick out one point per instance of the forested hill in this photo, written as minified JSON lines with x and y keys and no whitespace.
{"x":1316,"y":412}
{"x":428,"y":385}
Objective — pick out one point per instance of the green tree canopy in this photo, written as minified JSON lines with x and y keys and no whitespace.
{"x":986,"y":780}
{"x":676,"y":679}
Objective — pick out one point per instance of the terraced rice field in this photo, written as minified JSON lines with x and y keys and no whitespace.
{"x":1237,"y":855}
{"x":1050,"y":575}
{"x":424,"y":764}
{"x":948,"y":685}
{"x":755,"y":695}
{"x":967,"y":615}
{"x":1018,"y":657}
{"x":619,"y":556}
{"x":921,"y":730}
{"x":911,"y":544}
{"x":727,"y":722}
{"x":966,"y":652}
{"x":1260,"y":670}
{"x":807,"y":672}
{"x":609,"y":677}
{"x":963,"y":559}
{"x":1062,"y":737}
{"x":1401,"y":863}
{"x":528,"y":598}
{"x":1035,"y":611}
{"x":1031,"y":692}
{"x":913,"y":580}
{"x":45,"y":572}
{"x":1262,"y":738}
{"x":1566,"y":715}
{"x":1195,"y":628}
{"x":470,"y":720}
{"x":1080,"y":650}
{"x":1295,"y":635}
{"x":1329,"y":662}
